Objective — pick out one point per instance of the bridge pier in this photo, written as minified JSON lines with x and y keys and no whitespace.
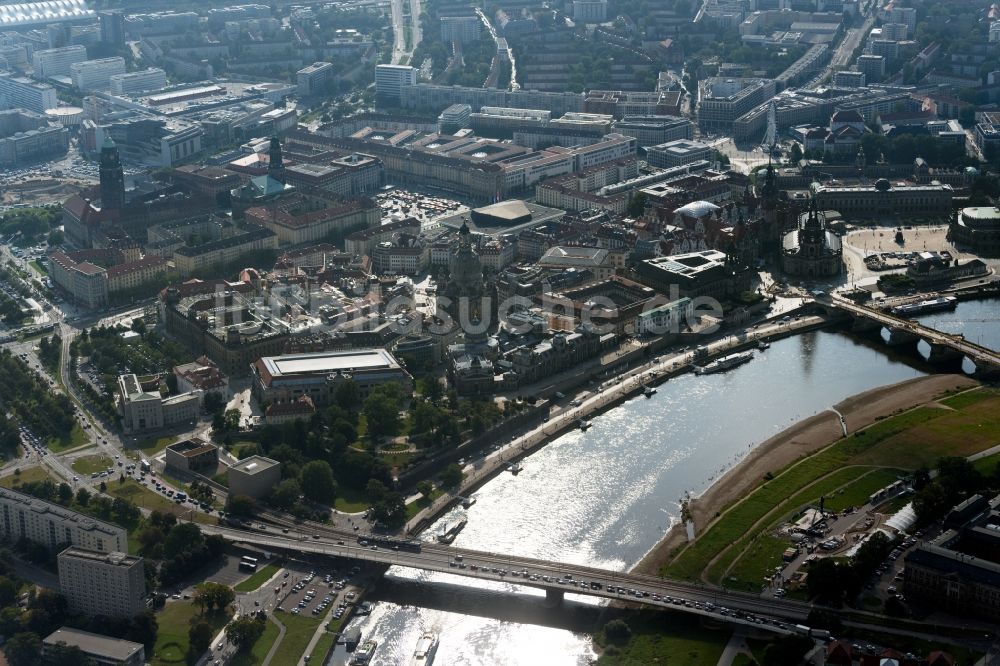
{"x":553,"y":598}
{"x":899,"y":336}
{"x":864,"y":324}
{"x":941,"y":354}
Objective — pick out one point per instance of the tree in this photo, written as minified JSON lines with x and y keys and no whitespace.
{"x":375,"y":490}
{"x":241,"y":505}
{"x":65,"y":493}
{"x":199,"y":638}
{"x":381,"y":411}
{"x":348,"y":396}
{"x":425,"y":488}
{"x":636,"y":204}
{"x":317,"y":482}
{"x":182,"y":538}
{"x":61,"y":654}
{"x":795,"y":153}
{"x":285,"y":494}
{"x":452,"y":476}
{"x":24,"y":649}
{"x":213,"y":402}
{"x":787,"y":651}
{"x":82,"y":497}
{"x":213,"y":596}
{"x":617,"y":632}
{"x":8,"y":591}
{"x":244,"y":631}
{"x":151,"y":541}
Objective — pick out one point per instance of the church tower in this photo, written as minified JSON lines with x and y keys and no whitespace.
{"x":465,"y":288}
{"x":112,"y":177}
{"x":275,"y":166}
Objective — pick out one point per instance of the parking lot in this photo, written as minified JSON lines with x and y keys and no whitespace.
{"x":316,"y":591}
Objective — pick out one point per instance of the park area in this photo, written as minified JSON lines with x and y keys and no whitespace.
{"x":739,"y":547}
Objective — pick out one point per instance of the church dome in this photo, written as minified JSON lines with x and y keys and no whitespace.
{"x":883,"y":185}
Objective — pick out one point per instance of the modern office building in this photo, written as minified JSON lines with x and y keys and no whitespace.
{"x":849,"y":79}
{"x":26,"y":136}
{"x":112,"y":27}
{"x":461,"y":29}
{"x":654,"y":130}
{"x":193,"y":455}
{"x":678,"y":153}
{"x":722,"y":100}
{"x":454,"y":118}
{"x":318,"y":375}
{"x":92,"y":75}
{"x":20,"y":92}
{"x":390,"y":79}
{"x":57,"y":62}
{"x":254,"y":477}
{"x":872,"y":66}
{"x":133,"y":83}
{"x":98,"y":650}
{"x":98,"y":583}
{"x":314,"y":79}
{"x":26,"y":517}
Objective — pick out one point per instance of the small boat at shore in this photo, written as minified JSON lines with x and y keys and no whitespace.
{"x":763,"y":344}
{"x":724,"y":363}
{"x":363,"y":655}
{"x":426,"y":648}
{"x":583,"y":424}
{"x":514,"y":468}
{"x":648,"y":391}
{"x":450,"y":533}
{"x":468,"y":502}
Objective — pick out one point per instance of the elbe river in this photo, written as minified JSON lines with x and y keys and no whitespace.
{"x":606,"y":496}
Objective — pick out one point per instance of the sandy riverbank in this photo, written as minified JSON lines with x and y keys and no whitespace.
{"x":803,"y":438}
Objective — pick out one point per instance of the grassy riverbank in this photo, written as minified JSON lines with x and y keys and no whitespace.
{"x":959,"y":425}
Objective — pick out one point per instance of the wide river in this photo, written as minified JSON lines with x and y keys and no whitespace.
{"x":606,"y":496}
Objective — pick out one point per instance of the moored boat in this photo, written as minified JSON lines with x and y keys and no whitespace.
{"x":724,"y":363}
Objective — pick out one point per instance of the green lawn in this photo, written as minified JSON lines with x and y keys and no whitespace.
{"x":664,"y":638}
{"x":987,"y":464}
{"x":256,"y":654}
{"x":413,"y":508}
{"x":967,"y":398}
{"x":154,"y":445}
{"x":299,"y":631}
{"x":172,"y":637}
{"x":322,"y":648}
{"x":38,"y":267}
{"x":860,"y":491}
{"x":27,"y":475}
{"x":258,"y":578}
{"x":743,"y":660}
{"x":350,"y":500}
{"x":91,"y":464}
{"x":764,"y":551}
{"x":77,"y":437}
{"x":145,"y":498}
{"x":919,"y":436}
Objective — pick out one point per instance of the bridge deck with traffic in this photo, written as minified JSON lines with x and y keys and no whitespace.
{"x":556,"y":578}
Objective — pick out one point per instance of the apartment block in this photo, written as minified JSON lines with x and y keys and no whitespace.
{"x":20,"y":92}
{"x":57,"y":62}
{"x":390,"y":79}
{"x":26,"y":517}
{"x":461,"y":29}
{"x":133,"y":83}
{"x":96,"y":583}
{"x":96,"y":74}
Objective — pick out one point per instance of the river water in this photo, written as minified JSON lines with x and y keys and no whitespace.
{"x":606,"y":496}
{"x":976,"y":320}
